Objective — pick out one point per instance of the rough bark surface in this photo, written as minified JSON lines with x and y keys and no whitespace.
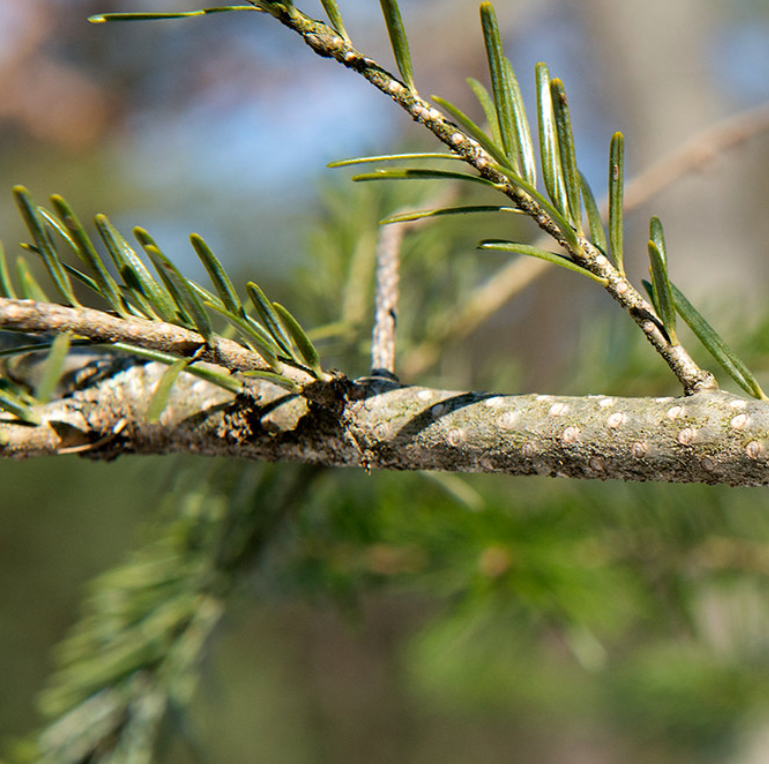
{"x":711,"y":437}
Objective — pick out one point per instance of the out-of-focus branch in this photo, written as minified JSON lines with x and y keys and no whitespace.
{"x":386,"y":297}
{"x":695,"y":154}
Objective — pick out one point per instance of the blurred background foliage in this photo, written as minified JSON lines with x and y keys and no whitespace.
{"x":412,"y":617}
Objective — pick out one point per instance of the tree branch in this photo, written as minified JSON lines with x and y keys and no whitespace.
{"x":375,"y":422}
{"x":101,"y":327}
{"x":691,"y":156}
{"x":711,"y":437}
{"x":324,"y":41}
{"x":386,"y":297}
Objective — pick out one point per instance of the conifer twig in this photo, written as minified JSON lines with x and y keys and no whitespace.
{"x":691,"y":156}
{"x":324,"y":41}
{"x":101,"y":327}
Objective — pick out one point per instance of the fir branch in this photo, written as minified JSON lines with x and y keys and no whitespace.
{"x":103,"y":328}
{"x":327,"y":43}
{"x":712,"y":437}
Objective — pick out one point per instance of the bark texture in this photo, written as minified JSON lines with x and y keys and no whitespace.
{"x":710,"y":437}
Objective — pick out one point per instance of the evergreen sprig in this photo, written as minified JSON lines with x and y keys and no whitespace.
{"x":170,"y":297}
{"x":134,"y":655}
{"x":507,"y":142}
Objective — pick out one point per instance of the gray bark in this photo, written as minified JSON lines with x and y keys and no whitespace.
{"x":710,"y":437}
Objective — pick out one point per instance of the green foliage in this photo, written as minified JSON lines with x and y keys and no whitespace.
{"x":616,"y":199}
{"x":716,"y":346}
{"x":522,"y":248}
{"x":607,"y":586}
{"x":6,"y":287}
{"x":398,"y":40}
{"x":43,"y":245}
{"x":16,"y":403}
{"x":597,"y":232}
{"x":662,"y":293}
{"x":414,"y":216}
{"x":299,"y":337}
{"x":566,"y":153}
{"x":52,"y":368}
{"x":172,"y":299}
{"x":335,"y":17}
{"x":104,"y":17}
{"x":548,"y":139}
{"x":419,"y":174}
{"x":490,"y":143}
{"x":489,"y":110}
{"x":508,"y":104}
{"x":218,"y":275}
{"x":134,"y":658}
{"x":76,"y":237}
{"x":162,"y":393}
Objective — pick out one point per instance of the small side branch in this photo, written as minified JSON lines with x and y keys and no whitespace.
{"x":388,"y":258}
{"x":327,"y":43}
{"x":101,"y":327}
{"x":692,"y":156}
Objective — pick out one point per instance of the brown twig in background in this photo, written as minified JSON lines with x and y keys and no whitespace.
{"x":695,"y":154}
{"x":387,"y":293}
{"x":386,"y":297}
